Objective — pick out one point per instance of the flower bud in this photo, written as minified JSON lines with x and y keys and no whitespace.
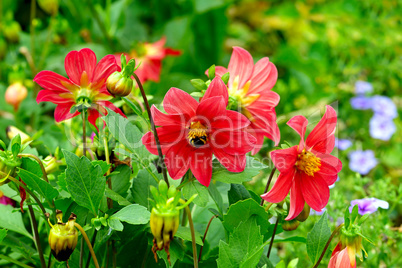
{"x":51,"y":164}
{"x":164,"y":226}
{"x":13,"y":131}
{"x":63,"y":237}
{"x":8,"y":165}
{"x":15,"y":94}
{"x":49,"y":6}
{"x":290,"y":225}
{"x":12,"y":31}
{"x":304,"y":214}
{"x":119,"y":85}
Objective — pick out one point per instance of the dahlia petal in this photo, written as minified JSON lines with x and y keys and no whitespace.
{"x":324,"y":129}
{"x":233,"y":142}
{"x":284,"y":159}
{"x":325,"y":146}
{"x":315,"y":191}
{"x":217,"y":88}
{"x":299,"y":124}
{"x":241,"y":64}
{"x":233,"y":163}
{"x":266,"y":101}
{"x":233,"y":120}
{"x":62,"y":112}
{"x":161,"y":119}
{"x":329,"y":164}
{"x":171,"y":51}
{"x":177,"y":161}
{"x":296,"y":198}
{"x":201,"y":165}
{"x":149,"y":70}
{"x":54,"y":96}
{"x":93,"y":115}
{"x":111,"y":106}
{"x":264,"y":77}
{"x":211,"y":109}
{"x":258,"y":144}
{"x":77,"y":62}
{"x":52,"y":81}
{"x":343,"y":260}
{"x":168,"y":137}
{"x":266,"y":125}
{"x":329,"y":179}
{"x":281,"y":187}
{"x":105,"y":67}
{"x":177,"y":101}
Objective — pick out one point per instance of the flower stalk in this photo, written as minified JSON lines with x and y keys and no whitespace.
{"x":158,"y":144}
{"x":273,"y":236}
{"x":36,"y":236}
{"x":268,"y":183}
{"x":84,"y":235}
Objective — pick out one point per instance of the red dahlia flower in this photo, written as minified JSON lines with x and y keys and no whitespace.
{"x":191,"y":132}
{"x":86,"y":86}
{"x":250,"y":92}
{"x":150,"y":55}
{"x":306,"y":169}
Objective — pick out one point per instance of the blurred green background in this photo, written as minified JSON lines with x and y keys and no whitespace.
{"x":321,"y":49}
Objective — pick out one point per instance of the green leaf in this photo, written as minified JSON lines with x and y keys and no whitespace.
{"x":116,"y":197}
{"x":237,"y":192}
{"x":133,"y":214}
{"x":216,"y":196}
{"x":245,"y":246}
{"x":134,"y":107}
{"x":194,"y":187}
{"x":61,"y":181}
{"x":185,"y":233}
{"x":220,"y":173}
{"x":34,"y":181}
{"x":243,"y":210}
{"x":199,"y":84}
{"x":317,"y":238}
{"x":121,"y":181}
{"x":211,"y":72}
{"x":85,"y":182}
{"x":355,"y":213}
{"x":103,"y":165}
{"x":12,"y":221}
{"x":115,"y":224}
{"x":298,"y":239}
{"x":293,"y":263}
{"x":140,"y":187}
{"x":3,"y":233}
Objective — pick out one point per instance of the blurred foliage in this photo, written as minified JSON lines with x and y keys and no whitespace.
{"x":321,"y":48}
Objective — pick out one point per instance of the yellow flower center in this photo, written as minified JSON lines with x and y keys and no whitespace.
{"x":198,"y":134}
{"x":308,"y":162}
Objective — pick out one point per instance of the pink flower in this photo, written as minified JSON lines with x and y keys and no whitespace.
{"x":306,"y":170}
{"x":4,"y":200}
{"x":86,"y":85}
{"x":341,"y":258}
{"x":250,"y":88}
{"x":150,"y":55}
{"x":191,"y":132}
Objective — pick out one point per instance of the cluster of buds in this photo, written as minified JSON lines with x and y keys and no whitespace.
{"x":165,"y":216}
{"x":63,"y":237}
{"x":9,"y":160}
{"x":350,"y":244}
{"x":120,"y":84}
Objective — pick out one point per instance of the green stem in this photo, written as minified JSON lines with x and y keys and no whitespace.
{"x":84,"y":235}
{"x":32,"y":27}
{"x":273,"y":236}
{"x":46,"y":46}
{"x":92,"y":243}
{"x":49,"y":261}
{"x":268,"y":183}
{"x":82,"y":252}
{"x":327,"y":244}
{"x":205,"y":235}
{"x":28,"y":191}
{"x":84,"y":134}
{"x":101,"y":25}
{"x":158,"y":144}
{"x":14,"y":261}
{"x":190,"y":221}
{"x":36,"y":236}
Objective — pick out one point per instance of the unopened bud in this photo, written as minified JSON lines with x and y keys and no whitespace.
{"x":164,"y":226}
{"x":15,"y":94}
{"x":63,"y":238}
{"x":12,"y":31}
{"x":119,"y":85}
{"x":49,"y":6}
{"x":304,"y":214}
{"x":290,"y":225}
{"x":13,"y":131}
{"x":51,"y":164}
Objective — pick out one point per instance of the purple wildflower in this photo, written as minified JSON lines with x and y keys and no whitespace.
{"x":362,"y":87}
{"x":362,"y":161}
{"x":381,"y":127}
{"x":342,"y":144}
{"x":318,"y":213}
{"x":361,"y":103}
{"x":368,"y":205}
{"x":384,"y":106}
{"x":6,"y":200}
